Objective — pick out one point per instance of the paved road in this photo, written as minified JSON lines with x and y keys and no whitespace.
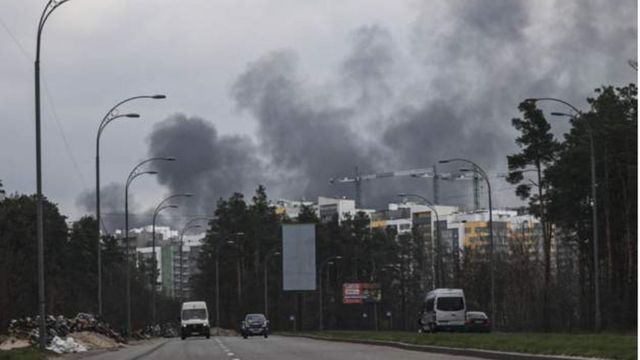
{"x":273,"y":348}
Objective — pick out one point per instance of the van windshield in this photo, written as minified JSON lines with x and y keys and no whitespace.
{"x":194,"y":314}
{"x":450,"y":303}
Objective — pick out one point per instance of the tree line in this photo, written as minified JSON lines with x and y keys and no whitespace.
{"x":560,"y":194}
{"x":70,"y":269}
{"x":536,"y":289}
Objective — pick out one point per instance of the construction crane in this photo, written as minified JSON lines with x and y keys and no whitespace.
{"x":432,"y":172}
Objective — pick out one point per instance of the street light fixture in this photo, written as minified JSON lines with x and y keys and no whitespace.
{"x":477,"y":169}
{"x":48,"y":9}
{"x":132,"y":176}
{"x":105,"y":121}
{"x":326,"y":261}
{"x":111,"y":115}
{"x":217,"y":247}
{"x":592,"y":160}
{"x":273,"y":252}
{"x":436,"y":276}
{"x":161,"y":206}
{"x":187,"y":226}
{"x":184,"y":229}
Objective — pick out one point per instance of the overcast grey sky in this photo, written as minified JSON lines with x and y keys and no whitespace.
{"x":289,"y":93}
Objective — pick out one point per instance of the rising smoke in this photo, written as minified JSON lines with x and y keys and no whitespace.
{"x":112,"y":207}
{"x":209,"y":165}
{"x":469,"y":65}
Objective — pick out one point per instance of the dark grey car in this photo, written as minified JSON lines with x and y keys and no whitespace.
{"x":254,"y":324}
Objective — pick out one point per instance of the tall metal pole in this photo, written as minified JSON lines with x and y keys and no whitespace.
{"x":594,"y":213}
{"x":596,"y":270}
{"x":217,"y":261}
{"x":154,"y":279}
{"x":154,"y":264}
{"x":217,"y":289}
{"x":184,"y":229}
{"x":266,"y":292}
{"x":187,"y":226}
{"x":134,"y":173}
{"x":320,"y":292}
{"x":127,"y":259}
{"x":436,"y":275}
{"x":266,"y":283}
{"x":39,"y":214}
{"x":46,"y":12}
{"x":105,"y":121}
{"x":478,"y":169}
{"x":130,"y":179}
{"x":110,"y":116}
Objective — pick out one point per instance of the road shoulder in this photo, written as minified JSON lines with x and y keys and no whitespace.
{"x":479,"y":353}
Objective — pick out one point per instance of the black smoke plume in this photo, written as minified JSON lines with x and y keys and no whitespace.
{"x":451,"y":93}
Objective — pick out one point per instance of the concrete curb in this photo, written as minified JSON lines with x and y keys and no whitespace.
{"x":484,"y":354}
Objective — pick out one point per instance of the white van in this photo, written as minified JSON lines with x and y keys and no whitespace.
{"x":194,"y":319}
{"x":443,"y":309}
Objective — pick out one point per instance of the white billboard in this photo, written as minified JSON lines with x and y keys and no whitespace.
{"x":298,"y":257}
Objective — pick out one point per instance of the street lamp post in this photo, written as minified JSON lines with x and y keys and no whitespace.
{"x":184,"y":229}
{"x":217,"y":261}
{"x":48,"y":9}
{"x":435,"y":276}
{"x":320,"y":268}
{"x":105,"y":121}
{"x":484,"y":175}
{"x":161,"y":206}
{"x":592,"y":160}
{"x":403,"y":292}
{"x":273,"y":252}
{"x":132,"y":176}
{"x":187,"y":226}
{"x":111,"y":115}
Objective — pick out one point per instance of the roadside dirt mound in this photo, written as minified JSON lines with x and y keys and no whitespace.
{"x":13,"y":343}
{"x":92,"y":340}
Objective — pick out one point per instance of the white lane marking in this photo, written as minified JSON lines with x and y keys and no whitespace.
{"x":226,"y":349}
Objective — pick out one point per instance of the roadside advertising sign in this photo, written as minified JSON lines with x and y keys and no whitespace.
{"x":358,"y":293}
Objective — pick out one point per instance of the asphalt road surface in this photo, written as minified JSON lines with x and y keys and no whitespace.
{"x":258,"y":348}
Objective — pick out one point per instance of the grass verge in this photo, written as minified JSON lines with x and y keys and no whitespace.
{"x":22,"y":354}
{"x":623,"y":347}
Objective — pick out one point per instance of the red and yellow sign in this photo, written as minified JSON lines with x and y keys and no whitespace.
{"x":358,"y":293}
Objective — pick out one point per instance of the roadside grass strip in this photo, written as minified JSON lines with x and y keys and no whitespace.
{"x":23,"y":354}
{"x":607,"y":346}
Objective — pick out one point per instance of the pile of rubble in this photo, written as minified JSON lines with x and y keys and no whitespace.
{"x":81,"y":333}
{"x":58,"y":329}
{"x":167,"y":330}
